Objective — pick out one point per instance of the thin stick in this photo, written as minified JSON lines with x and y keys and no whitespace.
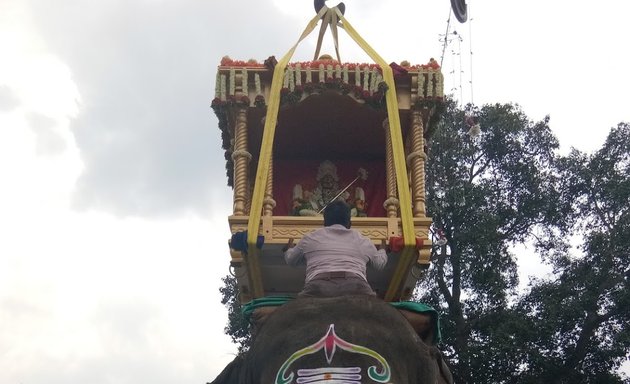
{"x":339,"y":194}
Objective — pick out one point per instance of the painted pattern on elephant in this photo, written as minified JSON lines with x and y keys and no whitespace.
{"x":329,"y":344}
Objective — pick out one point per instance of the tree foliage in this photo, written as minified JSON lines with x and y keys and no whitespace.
{"x":237,"y":327}
{"x":485,"y":194}
{"x":585,"y":310}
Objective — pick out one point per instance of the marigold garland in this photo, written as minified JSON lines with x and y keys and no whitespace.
{"x":226,"y":61}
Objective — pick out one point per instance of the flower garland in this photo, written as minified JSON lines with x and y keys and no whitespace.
{"x":222,"y":92}
{"x":291,"y":79}
{"x":217,"y":86}
{"x":244,"y":85}
{"x":374,"y":99}
{"x":226,"y":61}
{"x":439,"y":86}
{"x":372,"y":92}
{"x":298,"y":74}
{"x":232,"y":81}
{"x":366,"y":79}
{"x":259,"y":101}
{"x":331,"y":75}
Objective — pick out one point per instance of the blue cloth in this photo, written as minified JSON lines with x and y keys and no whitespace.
{"x":239,"y":241}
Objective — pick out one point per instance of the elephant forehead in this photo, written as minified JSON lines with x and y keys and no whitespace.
{"x":360,"y":331}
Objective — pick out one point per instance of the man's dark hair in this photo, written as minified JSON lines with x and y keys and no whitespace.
{"x":337,"y":212}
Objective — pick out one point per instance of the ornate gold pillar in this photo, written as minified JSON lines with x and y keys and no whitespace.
{"x":268,"y":202}
{"x":391,"y":204}
{"x":415,"y":161}
{"x":241,"y":158}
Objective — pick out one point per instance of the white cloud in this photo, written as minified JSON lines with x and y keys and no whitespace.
{"x":86,"y":296}
{"x":89,"y":288}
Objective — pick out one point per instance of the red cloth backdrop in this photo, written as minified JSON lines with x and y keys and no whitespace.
{"x":287,"y":173}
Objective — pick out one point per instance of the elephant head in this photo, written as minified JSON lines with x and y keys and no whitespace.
{"x":347,"y":339}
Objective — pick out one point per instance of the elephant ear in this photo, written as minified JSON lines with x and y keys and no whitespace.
{"x":424,"y":319}
{"x":259,"y":317}
{"x":444,"y":373}
{"x":230,"y":374}
{"x":424,"y":325}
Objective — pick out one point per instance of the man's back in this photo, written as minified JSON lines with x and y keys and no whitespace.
{"x":335,"y":256}
{"x":336,"y":248}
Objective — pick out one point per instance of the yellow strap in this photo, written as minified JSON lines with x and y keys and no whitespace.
{"x":404,"y":195}
{"x":330,"y":17}
{"x":320,"y":38}
{"x":333,"y":30}
{"x":266,"y":150}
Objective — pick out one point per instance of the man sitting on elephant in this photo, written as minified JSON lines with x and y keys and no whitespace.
{"x":336,"y":256}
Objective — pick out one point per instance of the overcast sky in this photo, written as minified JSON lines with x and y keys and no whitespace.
{"x":113,"y":196}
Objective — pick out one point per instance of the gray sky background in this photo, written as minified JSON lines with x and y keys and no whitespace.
{"x":113,"y":205}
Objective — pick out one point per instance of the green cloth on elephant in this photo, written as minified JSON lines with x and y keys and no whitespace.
{"x":276,"y":301}
{"x":424,"y":309}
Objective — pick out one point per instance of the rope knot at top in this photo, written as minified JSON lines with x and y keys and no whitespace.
{"x":329,"y":16}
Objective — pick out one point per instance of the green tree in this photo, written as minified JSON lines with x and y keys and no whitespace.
{"x":582,"y":316}
{"x":485,"y":194}
{"x":237,"y":327}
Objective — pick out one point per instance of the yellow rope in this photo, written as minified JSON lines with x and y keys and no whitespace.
{"x":266,"y":150}
{"x":404,"y":195}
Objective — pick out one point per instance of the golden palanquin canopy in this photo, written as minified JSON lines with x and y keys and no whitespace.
{"x":288,"y":129}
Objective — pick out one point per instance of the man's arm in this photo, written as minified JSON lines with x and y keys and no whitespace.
{"x":378,"y":258}
{"x":289,"y":245}
{"x":292,"y":254}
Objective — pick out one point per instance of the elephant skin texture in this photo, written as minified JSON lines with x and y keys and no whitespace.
{"x":347,"y":339}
